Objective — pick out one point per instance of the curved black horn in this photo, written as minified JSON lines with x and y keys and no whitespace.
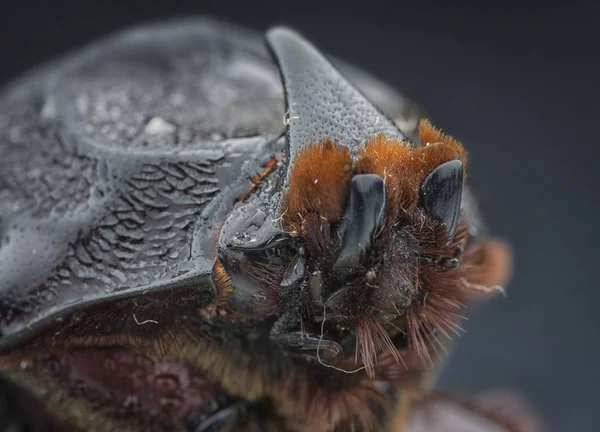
{"x":321,"y":103}
{"x":363,"y":219}
{"x":441,"y":194}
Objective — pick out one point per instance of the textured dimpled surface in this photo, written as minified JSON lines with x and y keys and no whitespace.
{"x":109,"y":157}
{"x":321,"y":102}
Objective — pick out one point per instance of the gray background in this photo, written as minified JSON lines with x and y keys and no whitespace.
{"x":519,"y":85}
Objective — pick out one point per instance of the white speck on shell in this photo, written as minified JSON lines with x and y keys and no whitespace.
{"x":158,"y":126}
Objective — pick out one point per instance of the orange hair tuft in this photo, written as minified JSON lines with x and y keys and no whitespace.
{"x":429,"y":134}
{"x":391,"y":159}
{"x":318,"y":183}
{"x":404,"y":167}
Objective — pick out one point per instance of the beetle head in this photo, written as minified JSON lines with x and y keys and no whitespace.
{"x":366,"y":244}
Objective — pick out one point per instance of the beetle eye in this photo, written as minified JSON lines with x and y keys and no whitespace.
{"x":450,"y":263}
{"x":257,"y":258}
{"x":441,"y":194}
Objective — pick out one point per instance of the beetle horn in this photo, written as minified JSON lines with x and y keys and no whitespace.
{"x":320,"y":102}
{"x":441,"y":194}
{"x":363,"y":219}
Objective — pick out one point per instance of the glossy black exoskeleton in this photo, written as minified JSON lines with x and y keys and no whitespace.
{"x":169,"y":260}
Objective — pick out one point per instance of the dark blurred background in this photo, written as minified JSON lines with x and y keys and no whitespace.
{"x":518,"y":83}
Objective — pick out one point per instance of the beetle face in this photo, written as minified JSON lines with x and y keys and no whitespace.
{"x":365,"y":248}
{"x":358,"y":247}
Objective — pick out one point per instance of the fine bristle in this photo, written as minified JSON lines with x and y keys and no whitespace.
{"x":317,"y":233}
{"x":366,"y":345}
{"x":318,"y":184}
{"x":428,"y":134}
{"x":391,"y":160}
{"x":372,"y":339}
{"x":435,"y":313}
{"x":267,"y":278}
{"x":428,"y":320}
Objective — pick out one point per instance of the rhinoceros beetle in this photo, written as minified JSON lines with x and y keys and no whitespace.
{"x":206,"y":230}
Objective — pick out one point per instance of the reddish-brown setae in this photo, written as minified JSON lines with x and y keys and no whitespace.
{"x":418,"y":274}
{"x":318,"y":184}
